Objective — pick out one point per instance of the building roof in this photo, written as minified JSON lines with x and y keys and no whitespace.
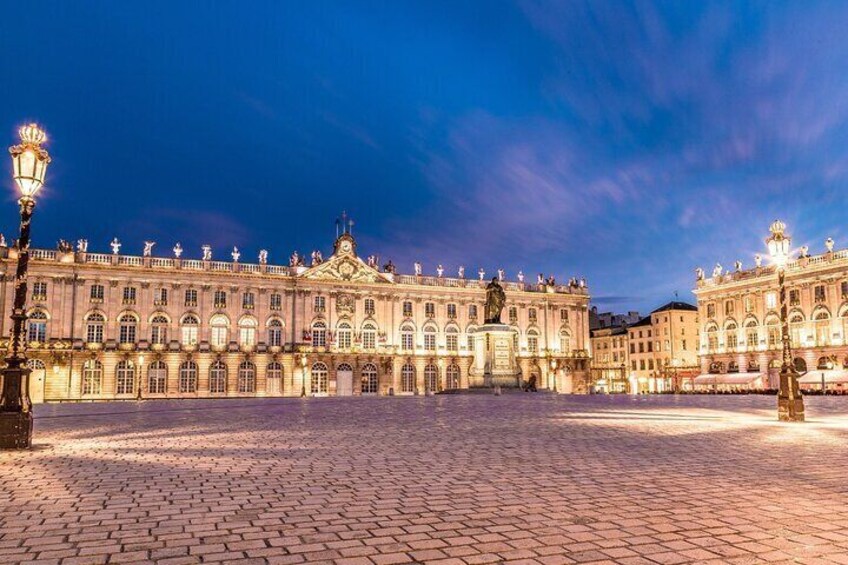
{"x":646,"y":321}
{"x":608,"y":331}
{"x":676,"y":305}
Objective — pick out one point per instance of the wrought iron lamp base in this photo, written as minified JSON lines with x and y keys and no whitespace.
{"x":15,"y":430}
{"x":790,"y":403}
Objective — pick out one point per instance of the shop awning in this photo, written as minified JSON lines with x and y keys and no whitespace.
{"x":832,"y":376}
{"x":727,"y":378}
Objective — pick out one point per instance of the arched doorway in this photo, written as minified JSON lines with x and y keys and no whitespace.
{"x":344,"y":380}
{"x":36,"y":380}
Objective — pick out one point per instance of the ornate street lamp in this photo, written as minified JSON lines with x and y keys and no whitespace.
{"x":553,"y":370}
{"x":29,"y":165}
{"x":790,"y":403}
{"x":303,"y":375}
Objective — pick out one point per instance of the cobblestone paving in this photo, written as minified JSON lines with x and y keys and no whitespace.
{"x":456,"y":480}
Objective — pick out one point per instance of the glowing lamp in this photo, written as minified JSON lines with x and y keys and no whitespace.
{"x":779,"y":243}
{"x":30,"y":160}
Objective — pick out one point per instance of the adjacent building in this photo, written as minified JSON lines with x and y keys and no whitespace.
{"x":740,"y":341}
{"x":113,"y":326}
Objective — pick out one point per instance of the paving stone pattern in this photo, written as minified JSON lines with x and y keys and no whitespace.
{"x":462,"y":480}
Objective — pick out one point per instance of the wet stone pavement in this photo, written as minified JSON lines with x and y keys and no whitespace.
{"x":519,"y":478}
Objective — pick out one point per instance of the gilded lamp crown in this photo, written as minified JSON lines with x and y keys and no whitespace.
{"x":777,"y":227}
{"x":32,"y":134}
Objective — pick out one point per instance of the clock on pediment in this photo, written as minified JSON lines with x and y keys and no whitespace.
{"x":345,"y":245}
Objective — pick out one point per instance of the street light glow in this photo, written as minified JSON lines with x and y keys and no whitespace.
{"x":30,"y":160}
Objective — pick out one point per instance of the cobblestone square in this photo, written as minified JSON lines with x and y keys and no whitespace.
{"x":471,"y":479}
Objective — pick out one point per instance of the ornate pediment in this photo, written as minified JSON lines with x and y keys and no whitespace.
{"x":344,"y":265}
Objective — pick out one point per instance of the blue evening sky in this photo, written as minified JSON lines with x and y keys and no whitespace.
{"x":624,"y":142}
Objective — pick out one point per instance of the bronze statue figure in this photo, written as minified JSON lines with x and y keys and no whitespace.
{"x":495,"y":300}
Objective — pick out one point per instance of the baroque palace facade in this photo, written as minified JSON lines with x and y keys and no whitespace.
{"x":740,"y":322}
{"x":112,"y":326}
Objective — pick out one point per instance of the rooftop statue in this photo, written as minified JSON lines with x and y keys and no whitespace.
{"x":495,"y":300}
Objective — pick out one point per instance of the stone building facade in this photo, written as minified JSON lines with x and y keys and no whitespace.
{"x":740,"y":344}
{"x":610,"y":359}
{"x":112,"y":326}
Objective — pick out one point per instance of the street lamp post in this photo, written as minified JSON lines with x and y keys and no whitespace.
{"x":553,"y":371}
{"x":303,"y":375}
{"x":29,"y":164}
{"x":790,"y":403}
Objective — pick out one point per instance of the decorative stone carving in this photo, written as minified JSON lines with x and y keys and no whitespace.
{"x":345,"y":304}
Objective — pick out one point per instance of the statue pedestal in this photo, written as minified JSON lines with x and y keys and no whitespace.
{"x":495,"y":362}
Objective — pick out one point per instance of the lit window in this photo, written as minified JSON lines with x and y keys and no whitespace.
{"x":431,"y":378}
{"x":125,"y":377}
{"x":343,"y":336}
{"x":39,"y":291}
{"x":451,"y":308}
{"x":472,"y":312}
{"x":771,"y":300}
{"x":189,"y":329}
{"x":276,"y":301}
{"x":191,"y":298}
{"x":220,"y":330}
{"x":247,"y":331}
{"x":218,"y":377}
{"x":452,"y":339}
{"x":160,"y":297}
{"x":157,"y":378}
{"x":274,"y":375}
{"x":188,"y":377}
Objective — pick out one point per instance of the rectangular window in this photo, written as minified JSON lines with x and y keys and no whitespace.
{"x":563,"y":314}
{"x":641,"y":364}
{"x":320,"y":304}
{"x":728,"y":308}
{"x":771,"y":300}
{"x":407,"y":309}
{"x":818,"y":292}
{"x":220,"y":299}
{"x":794,"y":297}
{"x":533,"y":344}
{"x":749,"y":305}
{"x":248,"y":300}
{"x":732,"y":340}
{"x":160,"y":297}
{"x":191,"y":298}
{"x":39,"y":291}
{"x":531,"y":314}
{"x":369,"y":339}
{"x":276,"y":301}
{"x":96,"y":293}
{"x":189,"y":334}
{"x":129,"y":295}
{"x":472,"y":312}
{"x":844,"y":288}
{"x":319,"y":337}
{"x":632,"y":348}
{"x":429,"y":310}
{"x":633,"y":364}
{"x":513,"y":314}
{"x":471,"y":343}
{"x":370,"y":309}
{"x":452,"y":311}
{"x":710,"y":310}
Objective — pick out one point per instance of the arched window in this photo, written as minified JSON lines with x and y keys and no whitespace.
{"x":732,"y":367}
{"x":822,"y":328}
{"x":92,"y":377}
{"x":800,"y":365}
{"x":125,"y":377}
{"x":712,"y":337}
{"x":159,"y":330}
{"x":532,"y":341}
{"x":452,"y":338}
{"x":731,"y":335}
{"x":94,"y":327}
{"x":247,"y":377}
{"x":369,"y":336}
{"x":157,"y":378}
{"x":469,"y":333}
{"x":247,"y":331}
{"x":452,"y":376}
{"x":320,"y":384}
{"x":773,"y":332}
{"x":218,"y":377}
{"x":189,"y":328}
{"x":796,"y":329}
{"x":344,"y":336}
{"x":219,"y":324}
{"x":369,"y":379}
{"x":407,"y":378}
{"x":565,"y":342}
{"x":127,"y":325}
{"x":430,"y":338}
{"x":275,"y":332}
{"x":37,"y":326}
{"x":752,"y":335}
{"x":407,"y":338}
{"x":274,"y":376}
{"x":431,"y":378}
{"x":188,"y":377}
{"x":319,"y":334}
